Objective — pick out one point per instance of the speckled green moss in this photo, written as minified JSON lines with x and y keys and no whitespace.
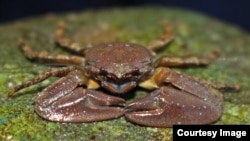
{"x":195,"y":35}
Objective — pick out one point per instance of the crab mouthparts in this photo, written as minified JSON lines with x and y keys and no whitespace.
{"x":118,"y":88}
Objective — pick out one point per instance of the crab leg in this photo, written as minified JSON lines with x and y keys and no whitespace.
{"x":46,"y":57}
{"x":56,"y":72}
{"x":182,"y":61}
{"x":179,"y":100}
{"x":66,"y":42}
{"x":163,"y":40}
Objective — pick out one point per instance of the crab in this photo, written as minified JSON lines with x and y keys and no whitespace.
{"x":89,"y":88}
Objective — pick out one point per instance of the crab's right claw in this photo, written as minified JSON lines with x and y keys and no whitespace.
{"x":81,"y":105}
{"x":167,"y":106}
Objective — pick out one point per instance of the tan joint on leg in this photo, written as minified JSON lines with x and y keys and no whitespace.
{"x":92,"y":84}
{"x":154,"y":81}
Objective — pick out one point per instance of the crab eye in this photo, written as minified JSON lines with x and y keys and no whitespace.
{"x":103,"y":71}
{"x":136,"y":71}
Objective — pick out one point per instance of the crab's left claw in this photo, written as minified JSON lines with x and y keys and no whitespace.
{"x":80,"y":105}
{"x":167,"y":106}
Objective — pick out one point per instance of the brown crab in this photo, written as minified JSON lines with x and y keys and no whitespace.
{"x":118,"y":67}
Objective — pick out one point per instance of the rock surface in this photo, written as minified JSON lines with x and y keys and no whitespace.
{"x":195,"y":35}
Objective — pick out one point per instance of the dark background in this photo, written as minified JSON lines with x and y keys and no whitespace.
{"x":232,"y":11}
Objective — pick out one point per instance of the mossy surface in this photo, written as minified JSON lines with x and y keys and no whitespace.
{"x":195,"y":35}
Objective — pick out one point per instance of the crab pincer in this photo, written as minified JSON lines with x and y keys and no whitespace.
{"x":82,"y":105}
{"x":178,"y":102}
{"x":64,"y":101}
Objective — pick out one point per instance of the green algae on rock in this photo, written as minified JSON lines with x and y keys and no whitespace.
{"x":195,"y":35}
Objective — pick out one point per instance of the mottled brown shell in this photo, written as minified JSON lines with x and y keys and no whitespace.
{"x":118,"y":58}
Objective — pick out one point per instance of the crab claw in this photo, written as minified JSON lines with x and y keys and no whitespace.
{"x":167,"y":106}
{"x":82,"y":105}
